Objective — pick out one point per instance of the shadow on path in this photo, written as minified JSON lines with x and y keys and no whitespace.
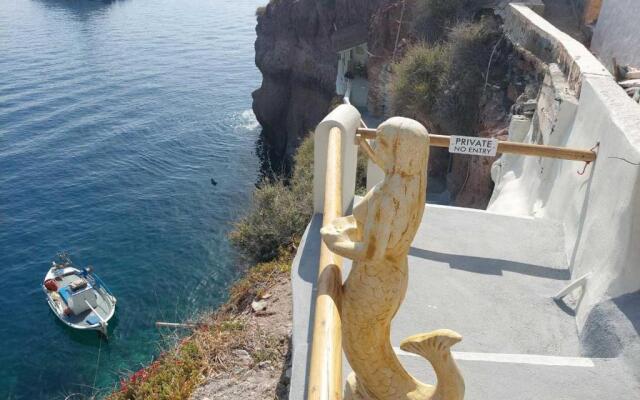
{"x":491,"y":266}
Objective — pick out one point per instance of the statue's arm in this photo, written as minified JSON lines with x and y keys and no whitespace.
{"x":340,"y":237}
{"x":347,"y":248}
{"x":344,"y":234}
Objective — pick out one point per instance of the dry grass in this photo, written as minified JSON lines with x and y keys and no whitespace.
{"x":257,"y":281}
{"x":209,"y":349}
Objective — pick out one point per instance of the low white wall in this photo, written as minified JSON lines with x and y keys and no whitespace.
{"x":600,"y":210}
{"x":527,"y":29}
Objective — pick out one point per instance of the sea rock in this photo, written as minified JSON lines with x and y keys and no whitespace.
{"x":296,"y":53}
{"x":243,"y":356}
{"x":264,"y":364}
{"x":265,"y":296}
{"x":259,"y":306}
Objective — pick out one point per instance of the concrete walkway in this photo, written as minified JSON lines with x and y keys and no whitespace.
{"x":491,"y":278}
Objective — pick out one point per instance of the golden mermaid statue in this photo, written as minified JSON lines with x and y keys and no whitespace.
{"x":377,"y":238}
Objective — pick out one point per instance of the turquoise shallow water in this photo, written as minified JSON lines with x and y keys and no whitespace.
{"x":114,"y":117}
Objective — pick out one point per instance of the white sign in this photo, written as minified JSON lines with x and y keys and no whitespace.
{"x":473,"y":145}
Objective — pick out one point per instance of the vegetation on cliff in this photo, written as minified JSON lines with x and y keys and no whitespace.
{"x":419,"y":78}
{"x":456,"y":72}
{"x":442,"y":83}
{"x":431,"y":19}
{"x":280,"y":211}
{"x":267,"y":237}
{"x":177,"y":372}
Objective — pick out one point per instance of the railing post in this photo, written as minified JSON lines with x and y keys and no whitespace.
{"x":347,"y":118}
{"x":335,"y":155}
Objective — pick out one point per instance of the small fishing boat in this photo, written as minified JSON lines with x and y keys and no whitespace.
{"x":78,"y":297}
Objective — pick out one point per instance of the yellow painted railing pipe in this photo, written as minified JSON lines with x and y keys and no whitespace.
{"x":510,"y":147}
{"x":325,"y":375}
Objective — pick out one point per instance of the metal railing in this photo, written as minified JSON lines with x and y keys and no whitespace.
{"x":527,"y":149}
{"x":325,"y":375}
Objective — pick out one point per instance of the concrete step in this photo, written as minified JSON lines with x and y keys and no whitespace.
{"x":470,"y":232}
{"x":490,"y":277}
{"x":487,"y":380}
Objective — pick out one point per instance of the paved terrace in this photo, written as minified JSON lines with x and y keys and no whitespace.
{"x":491,"y":278}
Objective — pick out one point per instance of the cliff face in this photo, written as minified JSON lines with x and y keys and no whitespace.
{"x":296,"y":51}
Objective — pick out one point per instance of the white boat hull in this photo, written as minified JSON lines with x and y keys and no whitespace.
{"x":95,"y":318}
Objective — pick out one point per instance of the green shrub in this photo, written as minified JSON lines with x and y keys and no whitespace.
{"x":443,"y":83}
{"x":419,"y":77}
{"x":260,"y":11}
{"x":279,"y":213}
{"x":302,"y":180}
{"x":433,"y":18}
{"x":469,"y":47}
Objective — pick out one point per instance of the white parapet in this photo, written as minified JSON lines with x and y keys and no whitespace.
{"x":597,"y":204}
{"x":347,"y":118}
{"x":518,"y":128}
{"x":526,"y":28}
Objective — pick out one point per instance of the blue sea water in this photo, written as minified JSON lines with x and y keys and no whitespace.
{"x":114,"y":117}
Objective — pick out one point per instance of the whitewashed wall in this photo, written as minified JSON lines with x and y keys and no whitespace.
{"x":600,"y":210}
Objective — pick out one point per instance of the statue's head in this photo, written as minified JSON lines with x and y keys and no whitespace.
{"x":402,"y":146}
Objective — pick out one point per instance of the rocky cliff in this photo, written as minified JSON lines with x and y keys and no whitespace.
{"x":296,"y":51}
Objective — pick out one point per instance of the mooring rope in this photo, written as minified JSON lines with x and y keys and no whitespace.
{"x":95,"y":377}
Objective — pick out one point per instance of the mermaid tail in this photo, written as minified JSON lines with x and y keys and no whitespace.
{"x":435,"y":346}
{"x":371,"y":297}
